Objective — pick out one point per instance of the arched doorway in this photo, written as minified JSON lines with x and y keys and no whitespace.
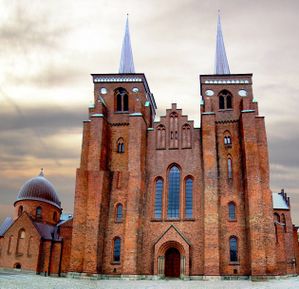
{"x":17,"y":266}
{"x":172,"y":263}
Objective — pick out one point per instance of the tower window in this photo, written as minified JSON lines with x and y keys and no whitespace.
{"x":229,"y":168}
{"x":116,"y":250}
{"x":122,"y":100}
{"x":231,"y":211}
{"x":38,"y":212}
{"x":120,"y":145}
{"x":225,"y":100}
{"x":188,"y":197}
{"x":158,"y":198}
{"x":119,"y":212}
{"x":174,"y":179}
{"x":233,"y":249}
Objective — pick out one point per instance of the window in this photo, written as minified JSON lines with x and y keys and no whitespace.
{"x":174,"y":179}
{"x":229,"y":168}
{"x":227,"y":140}
{"x":122,"y":100}
{"x":119,"y":212}
{"x":9,"y":248}
{"x":120,"y":145}
{"x":188,"y":196}
{"x":233,"y":249}
{"x":21,"y":241}
{"x":231,"y":211}
{"x":186,"y":136}
{"x":116,"y":250}
{"x":38,"y":212}
{"x":20,"y":211}
{"x":158,"y":198}
{"x":225,"y":100}
{"x":161,"y":137}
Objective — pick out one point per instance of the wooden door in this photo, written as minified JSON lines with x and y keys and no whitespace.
{"x":172,"y":263}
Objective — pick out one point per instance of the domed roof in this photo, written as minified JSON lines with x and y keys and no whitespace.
{"x":39,"y":189}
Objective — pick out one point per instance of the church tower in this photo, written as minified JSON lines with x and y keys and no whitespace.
{"x":111,"y":176}
{"x":236,"y":174}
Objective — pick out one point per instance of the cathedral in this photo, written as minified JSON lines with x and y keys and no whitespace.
{"x":158,"y":199}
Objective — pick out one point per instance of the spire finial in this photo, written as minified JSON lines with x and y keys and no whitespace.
{"x":41,"y":174}
{"x":126,"y":60}
{"x":221,"y":63}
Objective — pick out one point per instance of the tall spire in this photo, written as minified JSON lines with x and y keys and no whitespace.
{"x":221,"y":63}
{"x":126,"y":60}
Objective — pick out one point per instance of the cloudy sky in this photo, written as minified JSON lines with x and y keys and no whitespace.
{"x":49,"y":48}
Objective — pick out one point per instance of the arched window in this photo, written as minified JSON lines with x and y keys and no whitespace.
{"x":20,"y":211}
{"x":38,"y":212}
{"x":174,"y":180}
{"x":119,"y":212}
{"x":158,"y":198}
{"x":120,"y":145}
{"x":116,"y":250}
{"x":174,"y":141}
{"x":29,"y":249}
{"x":233,"y":249}
{"x":9,"y":247}
{"x":232,"y":211}
{"x":188,"y":197}
{"x":186,"y":136}
{"x":283,"y":221}
{"x":122,"y":100}
{"x":21,"y":241}
{"x":225,"y":100}
{"x":161,"y":137}
{"x":229,"y":168}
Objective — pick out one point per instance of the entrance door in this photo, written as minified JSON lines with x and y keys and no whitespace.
{"x":172,"y":263}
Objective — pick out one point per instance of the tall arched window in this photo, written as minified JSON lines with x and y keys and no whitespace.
{"x":122,"y":100}
{"x":120,"y":145}
{"x":116,"y":250}
{"x":232,"y":211}
{"x":188,"y":197}
{"x":9,"y":247}
{"x":227,"y":139}
{"x":161,"y":137}
{"x":174,"y":138}
{"x":225,"y":100}
{"x":20,"y":211}
{"x":186,"y":136}
{"x":119,"y":212}
{"x":21,"y":241}
{"x":38,"y":212}
{"x":229,"y":168}
{"x":233,"y":249}
{"x":158,"y":198}
{"x":174,"y":180}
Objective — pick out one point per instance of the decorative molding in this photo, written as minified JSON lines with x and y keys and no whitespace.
{"x":233,"y":81}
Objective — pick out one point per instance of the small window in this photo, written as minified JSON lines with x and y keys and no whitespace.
{"x":38,"y":212}
{"x":233,"y":249}
{"x":189,"y":197}
{"x":225,"y":100}
{"x":116,"y":250}
{"x":229,"y":168}
{"x":22,"y":234}
{"x":20,"y":211}
{"x":120,"y":145}
{"x":227,"y":140}
{"x":119,"y":212}
{"x":231,"y":211}
{"x":122,"y":100}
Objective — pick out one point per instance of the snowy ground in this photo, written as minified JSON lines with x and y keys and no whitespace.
{"x":22,"y":281}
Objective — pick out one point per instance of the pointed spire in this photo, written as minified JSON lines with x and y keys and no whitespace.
{"x":126,"y":61}
{"x":221,"y":63}
{"x":41,"y":174}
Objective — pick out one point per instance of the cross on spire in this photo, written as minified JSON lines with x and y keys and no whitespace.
{"x":221,"y":63}
{"x":126,"y":60}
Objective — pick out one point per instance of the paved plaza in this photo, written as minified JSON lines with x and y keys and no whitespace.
{"x":22,"y":281}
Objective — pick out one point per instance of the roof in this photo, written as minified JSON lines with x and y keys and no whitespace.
{"x":47,"y":232}
{"x":5,"y":225}
{"x":39,"y":189}
{"x":279,"y":202}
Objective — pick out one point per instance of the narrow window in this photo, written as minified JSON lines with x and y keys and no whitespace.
{"x":189,"y":197}
{"x":38,"y":212}
{"x":225,"y":100}
{"x":231,"y":211}
{"x":20,"y":211}
{"x":29,"y":246}
{"x":174,"y":130}
{"x":126,"y":102}
{"x":119,"y":104}
{"x":233,"y":249}
{"x":9,"y":248}
{"x":221,"y":102}
{"x":116,"y":250}
{"x":174,"y":179}
{"x":21,"y":241}
{"x":229,"y":168}
{"x":158,"y":199}
{"x":119,"y":213}
{"x":122,"y":100}
{"x":229,"y":101}
{"x":120,"y":145}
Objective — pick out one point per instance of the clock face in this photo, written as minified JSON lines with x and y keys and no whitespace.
{"x":135,"y":89}
{"x":242,"y":92}
{"x":209,"y":92}
{"x":103,"y":90}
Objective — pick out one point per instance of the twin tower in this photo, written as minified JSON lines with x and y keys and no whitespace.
{"x":165,"y":199}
